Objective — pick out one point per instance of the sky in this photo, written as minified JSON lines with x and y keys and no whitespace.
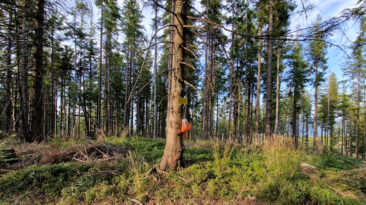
{"x":327,"y":9}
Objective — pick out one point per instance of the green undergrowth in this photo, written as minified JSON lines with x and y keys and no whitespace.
{"x":335,"y":161}
{"x":271,"y":174}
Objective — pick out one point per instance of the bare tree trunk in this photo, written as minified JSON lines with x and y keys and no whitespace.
{"x":277,"y":92}
{"x":24,"y":82}
{"x":9,"y":74}
{"x":342,"y":135}
{"x":132,"y":97}
{"x":358,"y":111}
{"x":126,"y":116}
{"x":294,"y":119}
{"x":258,"y":84}
{"x":315,"y":109}
{"x":237,"y":109}
{"x":99,"y":103}
{"x":307,"y":134}
{"x":107,"y":114}
{"x":269,"y":73}
{"x":350,"y":135}
{"x":69,"y":117}
{"x":155,"y":120}
{"x":231,"y":75}
{"x":18,"y":87}
{"x":62,"y":107}
{"x":173,"y":152}
{"x":37,"y":102}
{"x":53,"y":87}
{"x":322,"y":132}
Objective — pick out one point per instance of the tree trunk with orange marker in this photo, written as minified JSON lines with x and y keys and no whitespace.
{"x":173,"y":152}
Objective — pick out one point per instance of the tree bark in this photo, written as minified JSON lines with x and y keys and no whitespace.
{"x":278,"y":85}
{"x":358,"y":110}
{"x":173,"y":152}
{"x":107,"y":100}
{"x":9,"y":74}
{"x":269,"y":74}
{"x":315,"y":108}
{"x":350,"y":135}
{"x":53,"y":87}
{"x":257,"y":107}
{"x":37,"y":102}
{"x":342,"y":135}
{"x":99,"y":103}
{"x":155,"y":121}
{"x":294,"y":117}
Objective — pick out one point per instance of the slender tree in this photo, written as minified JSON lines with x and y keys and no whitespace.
{"x":317,"y":55}
{"x":297,"y":78}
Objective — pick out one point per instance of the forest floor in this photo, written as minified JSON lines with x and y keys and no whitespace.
{"x":124,"y":171}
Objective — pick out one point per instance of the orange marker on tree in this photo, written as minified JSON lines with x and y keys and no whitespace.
{"x":185,"y":127}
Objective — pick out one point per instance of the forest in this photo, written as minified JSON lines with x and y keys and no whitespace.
{"x":182,"y":102}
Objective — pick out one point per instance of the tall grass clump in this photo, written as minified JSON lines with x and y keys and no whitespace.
{"x":283,"y":182}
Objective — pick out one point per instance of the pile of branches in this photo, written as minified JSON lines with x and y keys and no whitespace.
{"x":86,"y":153}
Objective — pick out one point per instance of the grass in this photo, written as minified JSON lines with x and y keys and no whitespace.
{"x":271,"y":173}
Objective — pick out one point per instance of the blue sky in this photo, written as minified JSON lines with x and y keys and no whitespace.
{"x":344,"y":37}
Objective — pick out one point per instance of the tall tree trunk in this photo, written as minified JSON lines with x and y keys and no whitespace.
{"x":99,"y":103}
{"x":351,"y":135}
{"x":37,"y":101}
{"x":315,"y":109}
{"x":294,"y":118}
{"x":173,"y":152}
{"x":25,"y":131}
{"x":269,"y":73}
{"x":53,"y":87}
{"x":231,"y":73}
{"x":131,"y":94}
{"x":257,"y":104}
{"x":107,"y":116}
{"x":342,"y":135}
{"x":9,"y":74}
{"x":358,"y":111}
{"x":126,"y":116}
{"x":155,"y":120}
{"x":69,"y":116}
{"x":62,"y":107}
{"x":18,"y":89}
{"x":278,"y":85}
